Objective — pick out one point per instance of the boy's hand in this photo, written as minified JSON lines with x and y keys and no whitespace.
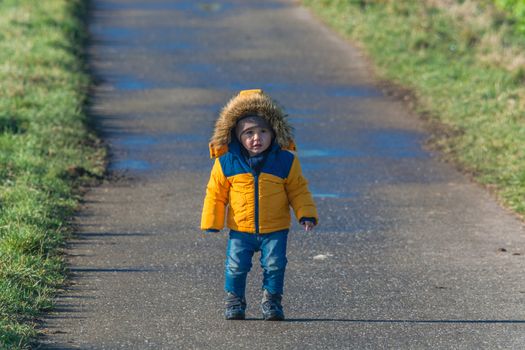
{"x":308,"y":225}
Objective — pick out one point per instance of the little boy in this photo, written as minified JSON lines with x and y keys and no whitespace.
{"x":258,"y":178}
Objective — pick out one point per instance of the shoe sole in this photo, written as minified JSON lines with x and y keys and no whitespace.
{"x":235,"y":317}
{"x":274,"y":318}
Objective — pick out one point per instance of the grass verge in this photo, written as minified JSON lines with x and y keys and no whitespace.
{"x":464,"y":64}
{"x":46,"y":152}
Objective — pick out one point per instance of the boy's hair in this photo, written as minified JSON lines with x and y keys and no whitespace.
{"x":254,"y":120}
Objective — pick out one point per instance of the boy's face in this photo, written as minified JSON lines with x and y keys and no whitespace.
{"x":256,"y":138}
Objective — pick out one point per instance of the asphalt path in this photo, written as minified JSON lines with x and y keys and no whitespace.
{"x":409,"y":253}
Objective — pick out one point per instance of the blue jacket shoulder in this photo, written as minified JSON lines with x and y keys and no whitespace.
{"x":279,"y":163}
{"x":232,"y":165}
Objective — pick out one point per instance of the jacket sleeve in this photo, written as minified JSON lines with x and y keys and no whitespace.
{"x":298,"y":194}
{"x":216,"y":199}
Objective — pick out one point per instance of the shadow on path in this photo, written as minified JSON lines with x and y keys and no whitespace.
{"x":348,"y":320}
{"x":405,"y":321}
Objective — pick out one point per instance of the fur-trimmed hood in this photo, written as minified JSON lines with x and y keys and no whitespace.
{"x":250,"y":102}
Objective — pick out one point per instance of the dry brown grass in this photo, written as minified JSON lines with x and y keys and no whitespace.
{"x":481,"y":24}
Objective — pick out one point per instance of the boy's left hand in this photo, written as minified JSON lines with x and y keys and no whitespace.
{"x":308,"y":225}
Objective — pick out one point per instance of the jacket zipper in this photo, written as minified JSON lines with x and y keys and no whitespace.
{"x":256,"y":185}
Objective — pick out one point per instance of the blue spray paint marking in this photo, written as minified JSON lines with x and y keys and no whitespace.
{"x":117,"y":33}
{"x":299,"y":120}
{"x":137,"y":147}
{"x":129,"y":83}
{"x":313,"y":153}
{"x":136,"y":141}
{"x":326,"y":195}
{"x":377,"y":143}
{"x":395,"y":144}
{"x":172,"y":46}
{"x":195,"y":7}
{"x":130,"y":164}
{"x":113,"y":33}
{"x":357,"y":91}
{"x":131,"y":38}
{"x":203,"y":9}
{"x":360,"y":164}
{"x":354,"y":91}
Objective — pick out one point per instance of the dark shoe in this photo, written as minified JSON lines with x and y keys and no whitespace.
{"x":271,"y":307}
{"x":235,"y":307}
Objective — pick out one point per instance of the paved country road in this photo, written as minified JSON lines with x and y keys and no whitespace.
{"x":409,"y":253}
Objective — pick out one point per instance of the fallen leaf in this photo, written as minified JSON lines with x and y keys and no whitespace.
{"x":320,"y":257}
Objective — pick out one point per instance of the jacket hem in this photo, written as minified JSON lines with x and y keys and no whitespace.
{"x":262,"y":233}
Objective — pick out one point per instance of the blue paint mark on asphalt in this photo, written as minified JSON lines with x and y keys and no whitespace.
{"x":326,"y":195}
{"x":137,"y":147}
{"x":137,"y":141}
{"x":171,"y":47}
{"x":130,"y":164}
{"x":316,"y":153}
{"x":128,"y":83}
{"x":196,"y":67}
{"x":369,"y":143}
{"x":312,"y":153}
{"x":194,"y":7}
{"x":357,"y":91}
{"x":394,"y":144}
{"x":353,"y":91}
{"x":117,"y":33}
{"x":111,"y":34}
{"x":153,"y":39}
{"x":299,"y":120}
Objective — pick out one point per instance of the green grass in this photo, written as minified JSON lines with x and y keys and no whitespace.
{"x":44,"y":146}
{"x":516,"y":9}
{"x":462,"y":71}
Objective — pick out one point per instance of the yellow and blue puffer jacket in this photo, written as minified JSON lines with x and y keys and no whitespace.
{"x":251,"y":202}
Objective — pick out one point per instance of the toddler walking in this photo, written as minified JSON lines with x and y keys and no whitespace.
{"x":254,"y":181}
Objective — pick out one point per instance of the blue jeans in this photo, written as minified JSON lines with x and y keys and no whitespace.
{"x":239,"y":253}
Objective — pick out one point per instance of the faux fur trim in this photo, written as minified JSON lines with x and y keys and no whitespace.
{"x":250,"y":102}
